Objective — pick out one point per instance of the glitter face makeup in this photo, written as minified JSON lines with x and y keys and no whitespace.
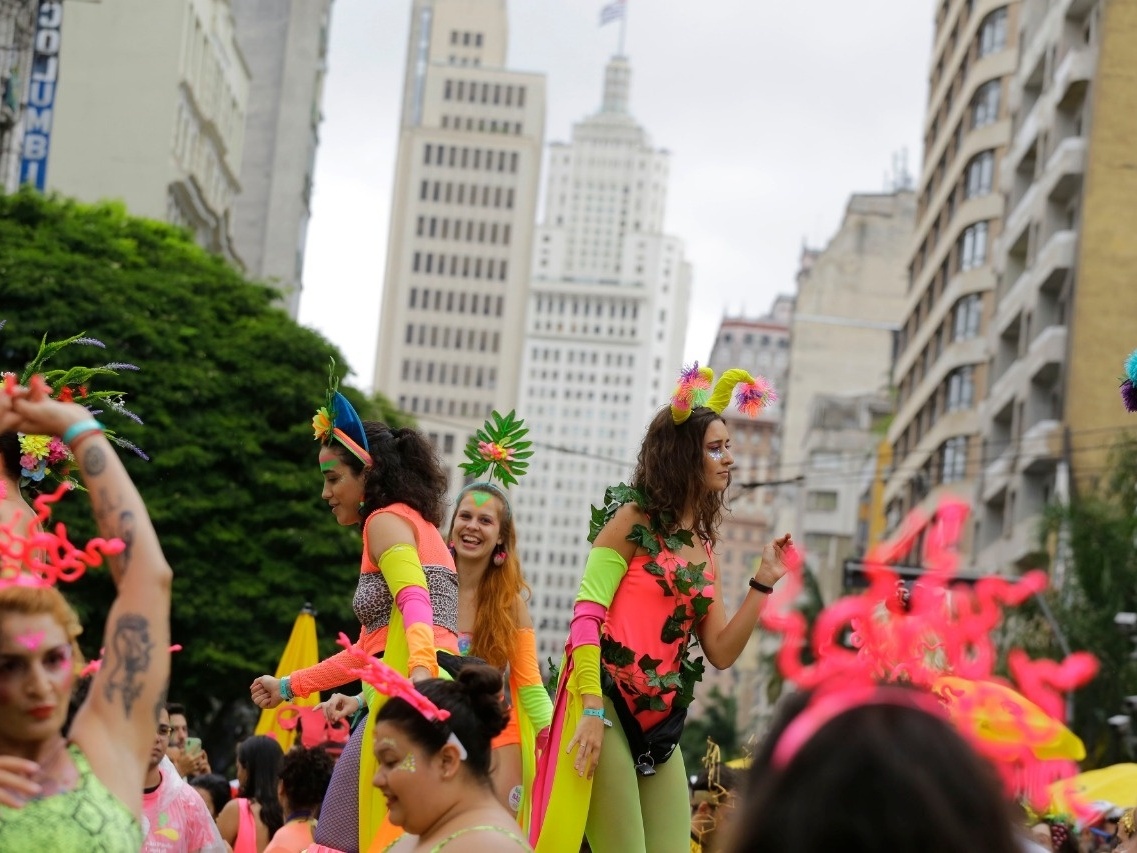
{"x":31,"y":640}
{"x":407,"y":765}
{"x":717,"y":454}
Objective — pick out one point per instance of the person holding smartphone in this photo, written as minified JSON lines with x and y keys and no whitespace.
{"x":184,"y":751}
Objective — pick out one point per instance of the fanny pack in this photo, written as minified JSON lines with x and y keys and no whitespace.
{"x":657,"y":744}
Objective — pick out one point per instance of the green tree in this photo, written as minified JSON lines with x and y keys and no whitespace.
{"x":1101,"y":580}
{"x":227,"y":386}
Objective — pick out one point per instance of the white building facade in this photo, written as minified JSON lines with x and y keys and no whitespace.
{"x":461,"y":235}
{"x":285,"y":44}
{"x":603,"y":341}
{"x":150,"y":109}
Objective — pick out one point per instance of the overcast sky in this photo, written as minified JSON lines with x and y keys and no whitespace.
{"x":773,"y":113}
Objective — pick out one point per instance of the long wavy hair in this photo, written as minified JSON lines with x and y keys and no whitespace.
{"x":404,"y":469}
{"x":495,"y":620}
{"x":670,"y":473}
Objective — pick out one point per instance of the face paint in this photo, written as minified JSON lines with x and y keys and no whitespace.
{"x":480,"y":498}
{"x":407,"y":765}
{"x":30,"y":641}
{"x":716,"y":454}
{"x":387,"y":741}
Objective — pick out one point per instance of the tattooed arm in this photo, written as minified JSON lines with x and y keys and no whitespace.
{"x":117,"y":725}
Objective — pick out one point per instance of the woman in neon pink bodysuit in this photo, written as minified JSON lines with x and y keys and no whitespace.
{"x":649,"y":590}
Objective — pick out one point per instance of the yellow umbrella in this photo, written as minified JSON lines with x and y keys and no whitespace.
{"x":1116,"y":784}
{"x":997,"y":713}
{"x":301,"y":651}
{"x":740,"y":763}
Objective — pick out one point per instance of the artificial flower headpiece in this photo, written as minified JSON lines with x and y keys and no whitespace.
{"x":694,"y":391}
{"x":498,"y":451}
{"x":41,"y":557}
{"x":338,"y":420}
{"x":937,"y":639}
{"x":1129,"y":383}
{"x":46,"y":456}
{"x":394,"y":685}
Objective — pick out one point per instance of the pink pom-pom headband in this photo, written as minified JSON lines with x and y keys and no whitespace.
{"x":694,"y":391}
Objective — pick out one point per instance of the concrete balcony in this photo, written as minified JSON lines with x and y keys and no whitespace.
{"x":1018,"y":219}
{"x":1065,"y":169}
{"x":1011,"y":305}
{"x":1055,"y":260}
{"x":1007,"y":554}
{"x":1005,"y":387}
{"x":1026,"y":135}
{"x":1073,"y":75}
{"x":1045,"y":355}
{"x":997,"y":474}
{"x":1040,"y":447}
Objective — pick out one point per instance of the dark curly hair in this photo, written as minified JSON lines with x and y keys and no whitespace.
{"x":404,"y":469}
{"x":477,"y":715}
{"x":670,"y":473}
{"x":304,"y":775}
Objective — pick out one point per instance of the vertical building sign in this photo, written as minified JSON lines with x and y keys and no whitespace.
{"x":41,"y":94}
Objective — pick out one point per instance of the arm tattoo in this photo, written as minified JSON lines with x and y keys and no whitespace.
{"x":120,"y":563}
{"x":94,"y":462}
{"x":129,"y":651}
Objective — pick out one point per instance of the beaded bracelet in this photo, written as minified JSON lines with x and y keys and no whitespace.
{"x":286,"y":689}
{"x":81,"y":428}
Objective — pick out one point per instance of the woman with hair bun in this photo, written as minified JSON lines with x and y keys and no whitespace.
{"x":389,"y":482}
{"x":436,"y":773}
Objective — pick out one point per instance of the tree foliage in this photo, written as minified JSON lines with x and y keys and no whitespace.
{"x":227,"y":387}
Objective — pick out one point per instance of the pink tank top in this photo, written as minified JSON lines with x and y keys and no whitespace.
{"x":246,"y":828}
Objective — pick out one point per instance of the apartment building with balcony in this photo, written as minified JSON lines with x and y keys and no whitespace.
{"x":1064,"y":304}
{"x":940,"y":369}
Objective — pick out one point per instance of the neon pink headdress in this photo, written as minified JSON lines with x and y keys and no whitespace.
{"x":45,"y":557}
{"x":937,"y":637}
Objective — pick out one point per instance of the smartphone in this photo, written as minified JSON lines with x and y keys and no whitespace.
{"x":193,"y":745}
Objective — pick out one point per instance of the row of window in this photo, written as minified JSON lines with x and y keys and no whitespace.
{"x":481,"y":125}
{"x":473,"y":92}
{"x":611,"y":359}
{"x":453,"y":229}
{"x":460,"y":265}
{"x":977,"y":180}
{"x":453,"y":156}
{"x":949,"y":464}
{"x":450,"y":374}
{"x":587,"y":307}
{"x":963,"y":323}
{"x":969,"y":252}
{"x":449,"y":407}
{"x":475,"y":195}
{"x":455,"y":300}
{"x":442,"y":336}
{"x":466,"y":39}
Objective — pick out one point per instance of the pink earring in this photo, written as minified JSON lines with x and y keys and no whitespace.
{"x":499,"y":555}
{"x":453,"y":551}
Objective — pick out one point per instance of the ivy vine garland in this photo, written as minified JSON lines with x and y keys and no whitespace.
{"x":687,"y":582}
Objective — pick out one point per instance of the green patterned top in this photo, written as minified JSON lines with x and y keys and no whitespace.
{"x":87,"y":819}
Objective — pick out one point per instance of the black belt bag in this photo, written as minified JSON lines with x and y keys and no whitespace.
{"x":657,"y":744}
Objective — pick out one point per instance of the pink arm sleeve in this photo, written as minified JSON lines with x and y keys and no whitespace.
{"x":414,"y":604}
{"x":587,"y":617}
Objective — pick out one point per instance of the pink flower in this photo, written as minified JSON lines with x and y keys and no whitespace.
{"x":57,"y":451}
{"x":29,"y":461}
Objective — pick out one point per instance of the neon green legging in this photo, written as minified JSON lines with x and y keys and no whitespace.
{"x":629,"y":813}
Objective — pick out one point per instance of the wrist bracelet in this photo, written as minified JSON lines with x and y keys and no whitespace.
{"x":761,"y":587}
{"x":286,"y":689}
{"x":599,"y":713}
{"x":82,"y":427}
{"x":361,"y":702}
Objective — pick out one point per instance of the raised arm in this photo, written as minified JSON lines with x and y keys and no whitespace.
{"x":117,"y":724}
{"x":723,"y":641}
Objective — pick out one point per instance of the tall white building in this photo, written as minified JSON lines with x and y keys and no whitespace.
{"x":150,"y":109}
{"x":285,"y":43}
{"x":461,"y":238}
{"x":603,"y":340}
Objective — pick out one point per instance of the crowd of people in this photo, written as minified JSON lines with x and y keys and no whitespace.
{"x":456,"y":744}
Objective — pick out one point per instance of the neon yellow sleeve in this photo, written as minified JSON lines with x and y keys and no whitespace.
{"x":586,"y":669}
{"x":603,"y":571}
